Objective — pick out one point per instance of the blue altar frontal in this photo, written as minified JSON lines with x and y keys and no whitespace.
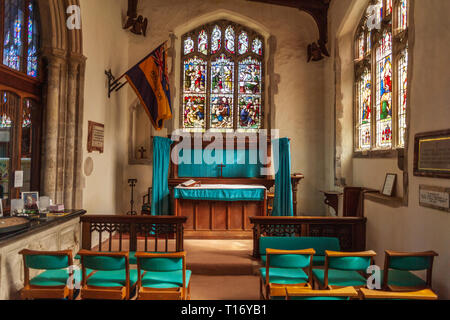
{"x":221,"y":193}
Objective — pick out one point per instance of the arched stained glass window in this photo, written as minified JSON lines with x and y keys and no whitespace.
{"x":224,"y":90}
{"x":381,"y":67}
{"x":20,"y":96}
{"x":20,"y":37}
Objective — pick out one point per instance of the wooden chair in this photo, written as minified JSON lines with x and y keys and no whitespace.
{"x":397,"y":267}
{"x":163,"y":276}
{"x":425,"y":294}
{"x":310,"y":294}
{"x":343,"y":269}
{"x":106,"y":275}
{"x":284,"y":268}
{"x":56,"y":282}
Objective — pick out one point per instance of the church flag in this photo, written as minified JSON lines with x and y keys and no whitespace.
{"x":150,"y":82}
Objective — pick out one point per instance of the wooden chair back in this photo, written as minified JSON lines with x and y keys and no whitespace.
{"x":425,"y":294}
{"x":46,"y":260}
{"x":161,"y":262}
{"x":310,"y":294}
{"x":409,"y":261}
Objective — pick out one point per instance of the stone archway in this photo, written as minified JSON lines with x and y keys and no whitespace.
{"x":63,"y":105}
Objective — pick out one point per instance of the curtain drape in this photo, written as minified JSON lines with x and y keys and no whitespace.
{"x":160,"y":190}
{"x":282,"y":204}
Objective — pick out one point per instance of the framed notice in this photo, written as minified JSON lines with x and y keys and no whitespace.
{"x":435,"y":197}
{"x":96,"y":137}
{"x":432,"y":154}
{"x":389,"y":184}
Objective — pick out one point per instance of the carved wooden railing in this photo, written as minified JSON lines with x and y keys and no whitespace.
{"x":154,"y":228}
{"x":351,"y":231}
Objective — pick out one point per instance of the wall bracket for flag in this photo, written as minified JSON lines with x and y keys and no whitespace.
{"x":114,"y":84}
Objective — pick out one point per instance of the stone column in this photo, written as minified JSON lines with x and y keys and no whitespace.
{"x":70,"y":124}
{"x":50,"y":136}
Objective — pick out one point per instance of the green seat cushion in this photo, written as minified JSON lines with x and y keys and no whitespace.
{"x":114,"y":278}
{"x":317,"y":260}
{"x":340,"y":278}
{"x":404,"y":279}
{"x":320,"y":298}
{"x":284,"y":275}
{"x":51,"y":278}
{"x":165,"y":279}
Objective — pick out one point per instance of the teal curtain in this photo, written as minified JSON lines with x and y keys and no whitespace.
{"x":282,"y":204}
{"x":161,"y":162}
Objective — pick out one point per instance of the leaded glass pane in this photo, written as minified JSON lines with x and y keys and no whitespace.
{"x":384,"y":92}
{"x":249,"y":112}
{"x":364,"y":110}
{"x":33,"y":42}
{"x":195,"y":76}
{"x":229,"y":39}
{"x":203,"y":42}
{"x":388,"y":7}
{"x":13,"y":24}
{"x":402,"y":96}
{"x":222,"y":76}
{"x":361,"y":46}
{"x":188,"y":45}
{"x":403,"y":15}
{"x":250,"y":76}
{"x":194,"y":111}
{"x":216,"y":40}
{"x":257,"y":46}
{"x":243,"y":43}
{"x":222,"y":111}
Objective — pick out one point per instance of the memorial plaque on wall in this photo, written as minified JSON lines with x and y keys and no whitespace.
{"x":432,"y":154}
{"x":435,"y":197}
{"x":96,"y":137}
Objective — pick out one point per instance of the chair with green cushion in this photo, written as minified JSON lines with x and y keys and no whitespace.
{"x":397,"y":275}
{"x":343,"y":269}
{"x":319,"y":244}
{"x":106,"y":275}
{"x":425,"y":294}
{"x":285,"y":268}
{"x":310,"y":294}
{"x":56,"y":282}
{"x":163,"y":276}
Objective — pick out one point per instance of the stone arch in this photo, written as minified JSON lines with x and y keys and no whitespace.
{"x":62,"y":54}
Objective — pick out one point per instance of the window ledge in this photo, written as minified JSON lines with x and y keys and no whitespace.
{"x":373,"y":154}
{"x":393,"y":202}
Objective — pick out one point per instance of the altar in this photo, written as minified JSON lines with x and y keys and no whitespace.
{"x":232,"y":187}
{"x":220,"y":211}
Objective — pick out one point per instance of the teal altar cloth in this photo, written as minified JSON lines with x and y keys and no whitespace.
{"x":221,"y":193}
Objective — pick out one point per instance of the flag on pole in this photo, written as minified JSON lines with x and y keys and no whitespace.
{"x":150,"y":82}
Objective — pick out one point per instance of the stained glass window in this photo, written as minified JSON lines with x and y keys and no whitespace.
{"x":257,"y":46}
{"x":216,"y":40}
{"x":194,"y":79}
{"x":365,"y":112}
{"x":381,"y":104}
{"x":20,"y":36}
{"x":243,"y":43}
{"x":222,"y":88}
{"x":203,"y":42}
{"x":384,"y":92}
{"x":229,"y":39}
{"x":403,"y":15}
{"x":188,"y":46}
{"x":402,"y":96}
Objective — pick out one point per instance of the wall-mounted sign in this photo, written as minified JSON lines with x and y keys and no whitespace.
{"x":96,"y":137}
{"x":435,"y":197}
{"x":432,"y":154}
